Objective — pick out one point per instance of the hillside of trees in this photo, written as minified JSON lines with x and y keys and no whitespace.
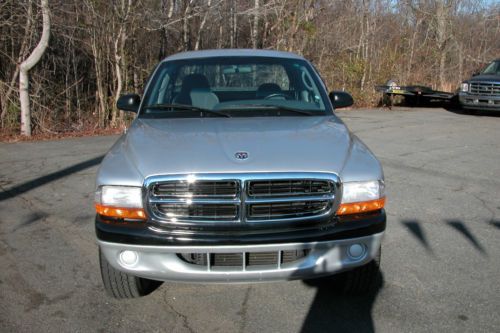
{"x":99,"y":49}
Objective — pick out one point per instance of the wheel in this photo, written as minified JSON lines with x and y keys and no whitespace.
{"x":122,"y":285}
{"x":362,"y":279}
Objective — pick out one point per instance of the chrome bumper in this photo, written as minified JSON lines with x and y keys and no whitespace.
{"x":163,"y":263}
{"x":479,"y":102}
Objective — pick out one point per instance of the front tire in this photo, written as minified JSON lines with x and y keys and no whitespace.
{"x":122,"y":285}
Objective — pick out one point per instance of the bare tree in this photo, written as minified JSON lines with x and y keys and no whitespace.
{"x":443,"y":35}
{"x":101,"y":48}
{"x":122,"y":13}
{"x":22,"y":53}
{"x":202,"y":25}
{"x":186,"y":31}
{"x":27,"y":65}
{"x":255,"y":25}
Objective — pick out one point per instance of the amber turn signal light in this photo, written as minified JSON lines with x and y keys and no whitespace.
{"x":121,"y":212}
{"x":361,"y":207}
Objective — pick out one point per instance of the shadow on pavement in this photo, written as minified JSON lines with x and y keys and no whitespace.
{"x":32,"y":218}
{"x":452,"y":105}
{"x":331,"y":311}
{"x":496,"y":224}
{"x":462,"y":229}
{"x":40,"y":181}
{"x":458,"y":110}
{"x":416,"y":230}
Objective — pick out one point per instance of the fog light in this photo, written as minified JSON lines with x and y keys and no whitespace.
{"x":356,"y":251}
{"x":129,"y":258}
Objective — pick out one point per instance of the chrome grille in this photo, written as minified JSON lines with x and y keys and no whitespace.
{"x":200,"y":189}
{"x":199,"y":211}
{"x":287,"y":187}
{"x":244,"y":260}
{"x":286,"y":209}
{"x":261,"y":258}
{"x":226,"y":259}
{"x":485,"y":88}
{"x":273,"y":197}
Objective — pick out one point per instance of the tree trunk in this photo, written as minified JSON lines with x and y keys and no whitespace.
{"x":186,"y":38}
{"x":255,"y":27}
{"x":232,"y":25}
{"x":202,"y":26}
{"x":164,"y":38}
{"x":24,"y":46}
{"x":118,"y":75}
{"x":100,"y":92}
{"x":27,"y":65}
{"x":442,"y":38}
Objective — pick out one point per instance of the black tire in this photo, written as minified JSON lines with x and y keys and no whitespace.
{"x":363,"y":279}
{"x":122,"y":285}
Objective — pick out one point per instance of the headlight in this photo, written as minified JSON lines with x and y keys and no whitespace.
{"x":464,"y":87}
{"x":362,"y":191}
{"x":120,"y":196}
{"x":362,"y":197}
{"x":119,"y":202}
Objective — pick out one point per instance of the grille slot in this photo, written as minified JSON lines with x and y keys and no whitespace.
{"x":293,"y":255}
{"x":272,"y":259}
{"x":225,"y":212}
{"x":288,"y":187}
{"x":226,"y":259}
{"x":198,"y":189}
{"x":262,"y":258}
{"x":485,"y":88}
{"x":286,"y":209}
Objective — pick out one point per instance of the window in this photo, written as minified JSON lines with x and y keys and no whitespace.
{"x":239,"y":86}
{"x":493,"y":68}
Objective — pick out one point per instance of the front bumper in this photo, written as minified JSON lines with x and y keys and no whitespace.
{"x":158,"y":252}
{"x":163,"y":263}
{"x":478,"y":102}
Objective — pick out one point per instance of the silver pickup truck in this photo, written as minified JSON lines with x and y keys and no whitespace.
{"x":236,"y":169}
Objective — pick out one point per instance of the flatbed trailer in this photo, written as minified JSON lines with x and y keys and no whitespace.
{"x":414,"y":94}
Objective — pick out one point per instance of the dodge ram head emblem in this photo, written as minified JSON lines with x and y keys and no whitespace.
{"x":241,"y":155}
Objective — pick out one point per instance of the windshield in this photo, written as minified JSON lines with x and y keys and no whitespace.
{"x":235,"y":87}
{"x":493,"y":68}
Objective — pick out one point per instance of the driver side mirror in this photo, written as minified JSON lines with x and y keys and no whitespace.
{"x":129,"y":102}
{"x":341,"y":99}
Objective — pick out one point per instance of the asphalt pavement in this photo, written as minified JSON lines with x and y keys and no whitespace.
{"x":440,"y":260}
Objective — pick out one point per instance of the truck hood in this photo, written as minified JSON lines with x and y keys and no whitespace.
{"x":208,"y":145}
{"x":485,"y":78}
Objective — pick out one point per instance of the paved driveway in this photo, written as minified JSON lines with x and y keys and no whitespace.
{"x":441,"y":254}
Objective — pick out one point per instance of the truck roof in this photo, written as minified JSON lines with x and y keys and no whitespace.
{"x":232,"y":53}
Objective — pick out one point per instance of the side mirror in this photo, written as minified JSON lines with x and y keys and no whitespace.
{"x":341,"y":99}
{"x":129,"y":102}
{"x":476,"y":73}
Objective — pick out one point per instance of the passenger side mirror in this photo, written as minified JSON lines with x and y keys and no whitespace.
{"x":341,"y":99}
{"x":129,"y":102}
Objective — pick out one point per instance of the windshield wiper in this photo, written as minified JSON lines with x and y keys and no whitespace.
{"x":273,"y":107}
{"x":187,"y":108}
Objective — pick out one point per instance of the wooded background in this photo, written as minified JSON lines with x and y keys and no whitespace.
{"x":99,"y":49}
